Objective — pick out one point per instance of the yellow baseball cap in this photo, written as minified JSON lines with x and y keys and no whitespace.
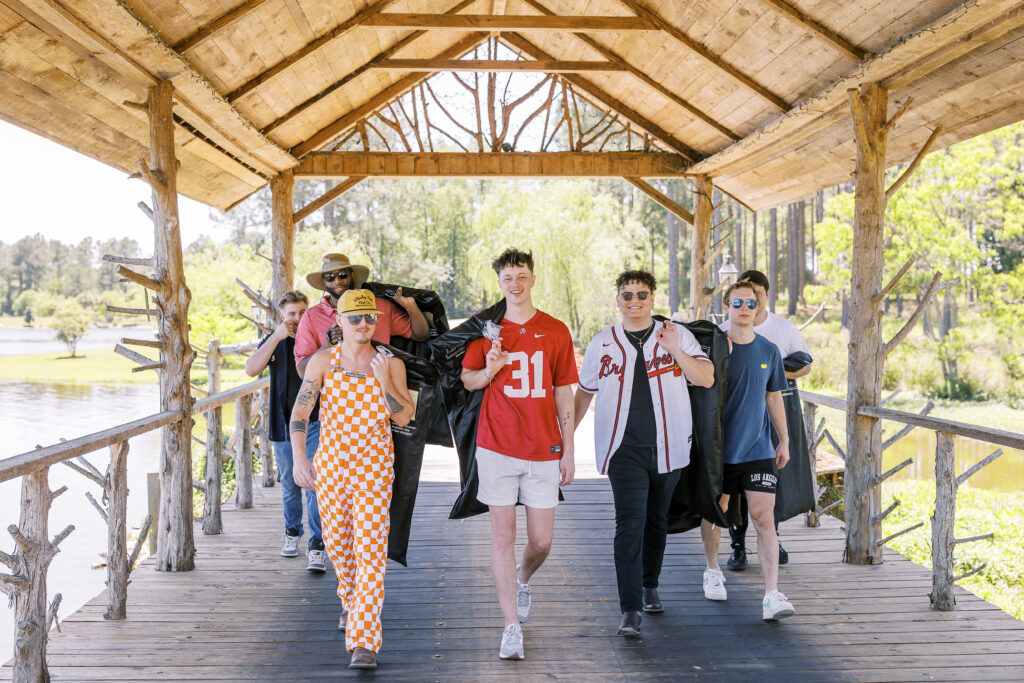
{"x":357,"y":301}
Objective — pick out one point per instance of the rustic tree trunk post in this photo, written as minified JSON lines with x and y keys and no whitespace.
{"x":214,"y":446}
{"x":282,"y":235}
{"x":943,"y":521}
{"x":26,"y":584}
{"x":810,"y":417}
{"x":700,"y":248}
{"x":175,"y":545}
{"x":263,"y":440}
{"x":243,"y":452}
{"x":866,"y":355}
{"x":672,"y":228}
{"x":117,"y":542}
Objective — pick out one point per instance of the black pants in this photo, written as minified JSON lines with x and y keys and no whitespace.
{"x":738,"y":533}
{"x":642,"y":496}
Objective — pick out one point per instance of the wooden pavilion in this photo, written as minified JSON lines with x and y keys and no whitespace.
{"x":768,"y":100}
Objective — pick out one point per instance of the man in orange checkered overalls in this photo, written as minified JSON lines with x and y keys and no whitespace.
{"x":361,"y":391}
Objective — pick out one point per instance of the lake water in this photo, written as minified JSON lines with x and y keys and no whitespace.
{"x":36,"y":414}
{"x":16,"y":341}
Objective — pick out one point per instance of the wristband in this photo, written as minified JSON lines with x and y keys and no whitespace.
{"x":489,"y":379}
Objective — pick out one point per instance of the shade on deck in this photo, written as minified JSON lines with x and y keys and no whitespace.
{"x":753,"y":93}
{"x":247,"y":614}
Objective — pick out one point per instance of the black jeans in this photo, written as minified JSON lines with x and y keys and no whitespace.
{"x":642,"y":496}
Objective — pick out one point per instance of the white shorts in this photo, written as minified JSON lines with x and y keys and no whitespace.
{"x":505,"y":480}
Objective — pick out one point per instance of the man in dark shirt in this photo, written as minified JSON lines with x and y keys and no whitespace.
{"x":278,"y":351}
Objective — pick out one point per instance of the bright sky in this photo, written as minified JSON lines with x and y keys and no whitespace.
{"x":49,"y":189}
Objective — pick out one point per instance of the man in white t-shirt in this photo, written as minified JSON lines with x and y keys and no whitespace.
{"x":785,"y":335}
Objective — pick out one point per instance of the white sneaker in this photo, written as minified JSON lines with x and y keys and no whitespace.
{"x":343,"y":620}
{"x":315,"y":561}
{"x":776,"y":606}
{"x":291,"y":546}
{"x":714,"y":584}
{"x":512,"y":643}
{"x":524,"y":599}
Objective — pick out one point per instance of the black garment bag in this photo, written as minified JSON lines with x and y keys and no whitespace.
{"x":700,"y":484}
{"x":795,"y":491}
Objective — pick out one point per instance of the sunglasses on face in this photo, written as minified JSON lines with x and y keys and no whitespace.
{"x":370,"y":318}
{"x":738,"y":303}
{"x":628,"y":296}
{"x":331,"y":277}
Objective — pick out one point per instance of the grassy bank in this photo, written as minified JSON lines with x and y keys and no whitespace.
{"x":978,"y":512}
{"x":95,"y":366}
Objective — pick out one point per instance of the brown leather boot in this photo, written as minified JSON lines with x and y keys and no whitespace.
{"x":363,"y":659}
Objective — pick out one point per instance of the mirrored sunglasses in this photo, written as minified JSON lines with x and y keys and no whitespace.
{"x":628,"y":296}
{"x":370,"y":318}
{"x":738,"y":303}
{"x":331,"y":277}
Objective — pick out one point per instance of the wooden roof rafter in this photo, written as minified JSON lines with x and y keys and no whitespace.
{"x":219,"y":24}
{"x":816,"y":27}
{"x":354,"y":73}
{"x":612,"y":56}
{"x":551,"y":66}
{"x":508,"y":22}
{"x":519,"y":43}
{"x":308,"y":49}
{"x":708,"y":56}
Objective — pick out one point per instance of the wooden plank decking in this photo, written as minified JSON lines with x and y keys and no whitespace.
{"x":248,"y":614}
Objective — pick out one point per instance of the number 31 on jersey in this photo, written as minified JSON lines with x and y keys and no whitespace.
{"x":522,"y":384}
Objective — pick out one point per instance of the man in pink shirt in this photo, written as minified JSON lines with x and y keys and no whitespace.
{"x":400,"y":318}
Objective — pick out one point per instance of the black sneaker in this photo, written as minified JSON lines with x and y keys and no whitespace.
{"x":630,"y":626}
{"x":738,"y":560}
{"x":652,"y":603}
{"x":783,"y":555}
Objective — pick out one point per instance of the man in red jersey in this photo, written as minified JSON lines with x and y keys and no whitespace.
{"x":524,"y":440}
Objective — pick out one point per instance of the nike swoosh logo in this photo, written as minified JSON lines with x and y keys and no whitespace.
{"x":606,"y":344}
{"x":537,"y":336}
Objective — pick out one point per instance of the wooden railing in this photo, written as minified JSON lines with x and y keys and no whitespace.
{"x":29,"y":564}
{"x":946,"y":480}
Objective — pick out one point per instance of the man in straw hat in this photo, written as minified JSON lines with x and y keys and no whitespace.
{"x":363,"y":391}
{"x":336,"y":276}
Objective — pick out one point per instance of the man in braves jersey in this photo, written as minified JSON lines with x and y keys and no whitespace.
{"x":642,"y":432}
{"x":753,"y":396}
{"x":524,"y":440}
{"x":784,"y":334}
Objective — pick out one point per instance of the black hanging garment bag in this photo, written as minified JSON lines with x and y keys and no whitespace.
{"x":700,"y":483}
{"x":795,"y":492}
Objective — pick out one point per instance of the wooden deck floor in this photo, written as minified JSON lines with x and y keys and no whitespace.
{"x":248,"y":614}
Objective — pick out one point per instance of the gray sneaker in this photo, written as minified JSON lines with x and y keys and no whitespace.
{"x":315,"y":561}
{"x":524,"y":599}
{"x":291,"y":546}
{"x":512,"y":643}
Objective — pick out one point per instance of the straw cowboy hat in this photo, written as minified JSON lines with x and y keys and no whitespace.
{"x":357,"y":301}
{"x":333,"y":262}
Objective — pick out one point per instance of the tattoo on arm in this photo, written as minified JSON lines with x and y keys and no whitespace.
{"x":308,"y":391}
{"x":565,"y":419}
{"x":393,"y":403}
{"x":298,"y":426}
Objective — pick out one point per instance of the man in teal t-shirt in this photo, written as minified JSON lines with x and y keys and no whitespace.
{"x":756,"y":380}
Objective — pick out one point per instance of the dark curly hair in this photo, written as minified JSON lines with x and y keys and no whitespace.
{"x":641,"y":277}
{"x":512,"y":257}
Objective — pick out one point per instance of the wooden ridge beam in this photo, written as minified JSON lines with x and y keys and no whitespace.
{"x":468,"y":165}
{"x":218,"y":24}
{"x":611,"y":55}
{"x":661,"y":198}
{"x":327,"y":197}
{"x":396,"y":89}
{"x":823,"y":32}
{"x":711,"y":58}
{"x":553,"y":66}
{"x":352,"y":75}
{"x":518,"y":42}
{"x":509,"y":22}
{"x":308,"y":49}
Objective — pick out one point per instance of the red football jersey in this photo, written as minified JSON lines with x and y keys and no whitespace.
{"x":518,"y":416}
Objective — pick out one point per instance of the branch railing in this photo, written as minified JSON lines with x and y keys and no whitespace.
{"x":28,"y":565}
{"x":947,"y":481}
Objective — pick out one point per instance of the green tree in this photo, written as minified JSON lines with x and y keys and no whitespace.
{"x":70,"y":323}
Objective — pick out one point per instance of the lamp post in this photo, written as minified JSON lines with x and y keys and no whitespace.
{"x":727,"y":275}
